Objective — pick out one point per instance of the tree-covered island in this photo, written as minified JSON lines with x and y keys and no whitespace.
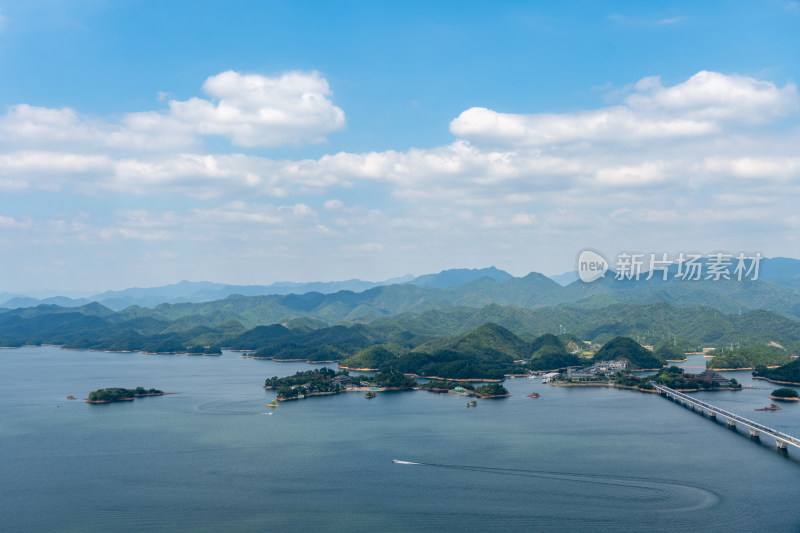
{"x":117,"y":394}
{"x":324,"y":381}
{"x":785,"y":394}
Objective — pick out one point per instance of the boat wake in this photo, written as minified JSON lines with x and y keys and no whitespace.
{"x":676,"y":497}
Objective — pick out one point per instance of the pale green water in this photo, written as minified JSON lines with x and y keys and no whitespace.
{"x":210,"y":459}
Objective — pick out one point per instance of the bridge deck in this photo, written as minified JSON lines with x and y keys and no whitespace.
{"x":775,"y":434}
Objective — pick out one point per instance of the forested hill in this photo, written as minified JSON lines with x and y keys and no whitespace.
{"x":239,"y":325}
{"x":533,"y":292}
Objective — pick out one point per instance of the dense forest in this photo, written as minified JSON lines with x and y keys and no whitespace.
{"x":785,"y":394}
{"x":627,"y":349}
{"x":750,"y":357}
{"x":116,"y":394}
{"x":788,"y":373}
{"x":676,"y":378}
{"x":452,"y":342}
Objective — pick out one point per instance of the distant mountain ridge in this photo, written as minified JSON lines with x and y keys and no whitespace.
{"x":451,"y":288}
{"x":204,"y":291}
{"x":459,"y":276}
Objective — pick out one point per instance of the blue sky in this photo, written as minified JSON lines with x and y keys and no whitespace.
{"x":142,"y":143}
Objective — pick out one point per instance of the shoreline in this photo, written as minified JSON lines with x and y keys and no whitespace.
{"x":782,"y":399}
{"x":778,"y":382}
{"x":603,"y":384}
{"x":353,"y":389}
{"x":260,"y":357}
{"x":356,"y":369}
{"x":737,"y":369}
{"x":478,"y":380}
{"x":391,"y":389}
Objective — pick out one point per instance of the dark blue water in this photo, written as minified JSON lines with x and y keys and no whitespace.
{"x":211,"y":459}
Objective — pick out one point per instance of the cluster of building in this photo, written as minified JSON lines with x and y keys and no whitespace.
{"x":711,"y":376}
{"x":342,"y":381}
{"x":601,"y":370}
{"x":608,"y":370}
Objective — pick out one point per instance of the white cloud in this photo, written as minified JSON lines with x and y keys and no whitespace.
{"x":717,"y":97}
{"x":37,"y":128}
{"x":256,"y":110}
{"x":232,"y":221}
{"x":251,"y":110}
{"x":780,"y":168}
{"x":646,"y":173}
{"x":666,"y":165}
{"x":700,"y":106}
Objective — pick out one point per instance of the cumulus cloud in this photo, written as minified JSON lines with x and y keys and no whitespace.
{"x":25,"y":126}
{"x":256,"y":110}
{"x":658,"y":136}
{"x":702,"y":105}
{"x":715,"y":96}
{"x":684,"y":156}
{"x":249,"y":109}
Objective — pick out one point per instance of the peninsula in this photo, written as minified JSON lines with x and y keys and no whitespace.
{"x":325,"y":381}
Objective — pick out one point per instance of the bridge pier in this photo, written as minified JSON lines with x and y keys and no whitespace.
{"x":782,"y":441}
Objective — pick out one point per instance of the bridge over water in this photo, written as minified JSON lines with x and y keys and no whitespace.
{"x":782,"y":440}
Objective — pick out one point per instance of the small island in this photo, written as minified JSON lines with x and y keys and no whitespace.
{"x":117,"y":394}
{"x":785,"y":394}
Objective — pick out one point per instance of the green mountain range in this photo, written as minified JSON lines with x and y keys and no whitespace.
{"x":460,"y":324}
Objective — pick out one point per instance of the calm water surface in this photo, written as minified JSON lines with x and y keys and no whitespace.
{"x":212,"y":459}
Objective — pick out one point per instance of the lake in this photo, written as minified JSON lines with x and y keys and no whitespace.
{"x":211,"y":458}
